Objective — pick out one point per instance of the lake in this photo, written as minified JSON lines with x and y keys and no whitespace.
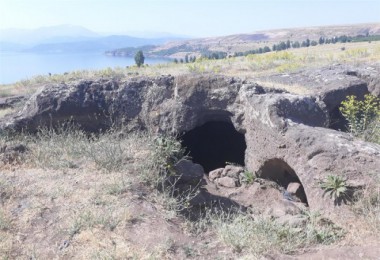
{"x":19,"y":66}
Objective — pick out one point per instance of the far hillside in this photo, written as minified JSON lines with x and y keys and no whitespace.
{"x":247,"y":43}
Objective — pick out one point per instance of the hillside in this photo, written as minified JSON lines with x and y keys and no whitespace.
{"x":245,"y":42}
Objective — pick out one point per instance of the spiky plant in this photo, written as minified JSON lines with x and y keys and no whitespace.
{"x":335,"y":186}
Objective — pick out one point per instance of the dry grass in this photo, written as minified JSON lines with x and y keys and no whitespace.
{"x":66,"y":200}
{"x":251,"y":237}
{"x":6,"y":111}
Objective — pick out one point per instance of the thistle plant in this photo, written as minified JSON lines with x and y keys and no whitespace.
{"x":335,"y":186}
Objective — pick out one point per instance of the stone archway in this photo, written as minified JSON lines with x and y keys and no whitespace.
{"x":279,"y":171}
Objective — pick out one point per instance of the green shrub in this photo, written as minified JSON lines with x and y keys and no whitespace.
{"x":363,"y":117}
{"x":248,"y":177}
{"x":168,"y":151}
{"x":335,"y":186}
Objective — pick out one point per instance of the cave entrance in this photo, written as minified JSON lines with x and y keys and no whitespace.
{"x":214,"y":144}
{"x":280,"y":172}
{"x":337,"y":120}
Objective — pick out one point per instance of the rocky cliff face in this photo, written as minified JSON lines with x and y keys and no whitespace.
{"x":283,"y":132}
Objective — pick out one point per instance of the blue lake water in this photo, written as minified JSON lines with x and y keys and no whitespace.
{"x":19,"y":66}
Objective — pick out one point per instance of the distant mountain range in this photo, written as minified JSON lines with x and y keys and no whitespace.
{"x":69,"y":38}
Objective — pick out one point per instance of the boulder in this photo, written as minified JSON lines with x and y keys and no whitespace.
{"x":188,"y":171}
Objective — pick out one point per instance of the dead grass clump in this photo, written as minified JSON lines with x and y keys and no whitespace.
{"x":256,"y":236}
{"x":70,"y":147}
{"x":367,"y":207}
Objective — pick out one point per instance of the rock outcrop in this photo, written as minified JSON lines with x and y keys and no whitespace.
{"x":278,"y":126}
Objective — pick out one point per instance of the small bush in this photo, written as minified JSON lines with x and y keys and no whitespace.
{"x":335,"y":186}
{"x":248,"y":177}
{"x":363,"y":117}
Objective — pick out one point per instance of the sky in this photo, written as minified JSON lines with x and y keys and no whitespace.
{"x":197,"y":18}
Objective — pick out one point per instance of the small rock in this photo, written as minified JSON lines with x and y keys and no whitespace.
{"x":227,"y":182}
{"x":293,"y":187}
{"x":232,"y":171}
{"x":215,"y":174}
{"x":65,"y":244}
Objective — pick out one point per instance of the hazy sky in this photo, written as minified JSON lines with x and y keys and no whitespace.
{"x":186,"y":17}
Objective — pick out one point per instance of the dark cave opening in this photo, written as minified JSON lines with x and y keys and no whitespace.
{"x":337,"y":120}
{"x":280,"y":172}
{"x":214,"y":144}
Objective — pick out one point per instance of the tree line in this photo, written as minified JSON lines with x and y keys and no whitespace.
{"x":283,"y":45}
{"x":307,"y":43}
{"x":188,"y":59}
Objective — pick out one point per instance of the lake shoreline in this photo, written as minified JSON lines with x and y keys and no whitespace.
{"x":17,"y":66}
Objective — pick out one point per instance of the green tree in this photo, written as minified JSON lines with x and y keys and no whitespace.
{"x":288,"y":44}
{"x":321,"y":40}
{"x":296,"y":44}
{"x":314,"y":43}
{"x":266,"y":49}
{"x":307,"y":42}
{"x":139,"y":58}
{"x":281,"y":46}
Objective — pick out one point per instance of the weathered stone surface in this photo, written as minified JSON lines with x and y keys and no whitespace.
{"x":11,"y":102}
{"x":232,"y":171}
{"x":217,"y":173}
{"x":188,"y":171}
{"x":227,"y":182}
